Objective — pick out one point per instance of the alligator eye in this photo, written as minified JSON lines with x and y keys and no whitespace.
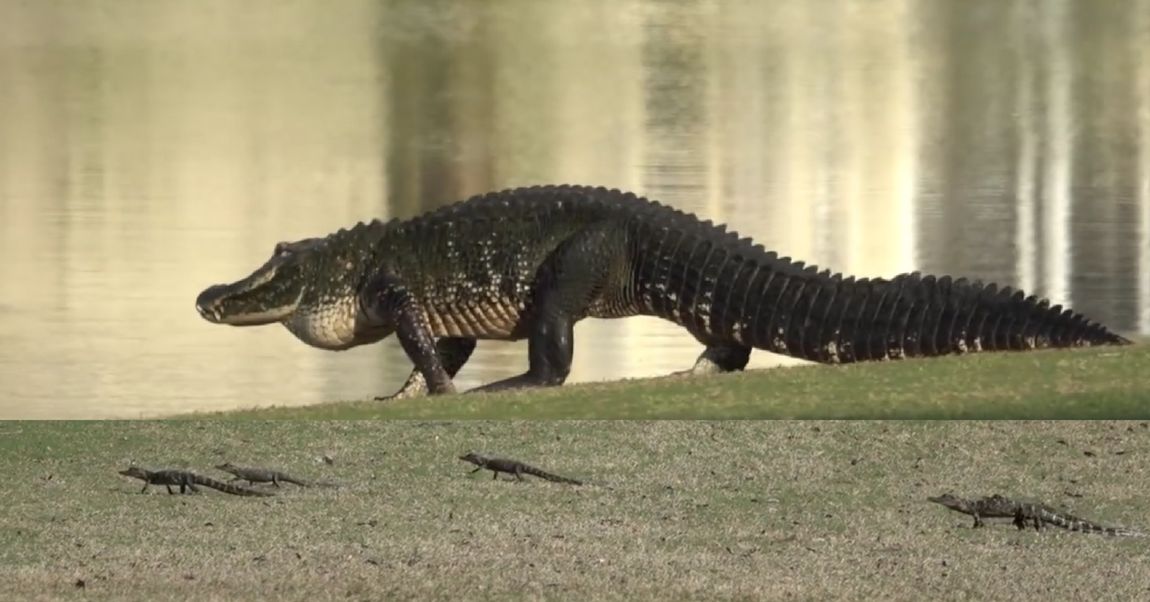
{"x":282,"y":248}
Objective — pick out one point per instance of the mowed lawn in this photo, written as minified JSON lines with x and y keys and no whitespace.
{"x":673,"y":510}
{"x":1109,"y":382}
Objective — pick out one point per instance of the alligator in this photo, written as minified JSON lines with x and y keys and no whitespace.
{"x":531,"y":262}
{"x":186,"y":480}
{"x":259,"y":475}
{"x":512,"y":467}
{"x":1039,"y":515}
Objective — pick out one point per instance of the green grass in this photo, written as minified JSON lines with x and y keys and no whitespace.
{"x":1063,"y":384}
{"x":676,"y":510}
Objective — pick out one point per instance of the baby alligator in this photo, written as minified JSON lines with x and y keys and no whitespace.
{"x":186,"y":480}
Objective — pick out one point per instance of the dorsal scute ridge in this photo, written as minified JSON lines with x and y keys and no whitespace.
{"x":366,"y":233}
{"x":653,"y":213}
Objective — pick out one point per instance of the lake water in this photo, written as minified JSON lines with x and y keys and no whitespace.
{"x":151,"y":148}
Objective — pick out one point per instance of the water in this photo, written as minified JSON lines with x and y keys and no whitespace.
{"x":150,"y":148}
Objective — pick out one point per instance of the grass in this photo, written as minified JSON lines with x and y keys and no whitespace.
{"x":673,"y":509}
{"x":1062,"y":384}
{"x":676,"y":510}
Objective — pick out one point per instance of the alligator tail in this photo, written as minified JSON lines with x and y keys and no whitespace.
{"x":1073,"y":523}
{"x":825,"y":318}
{"x":723,"y":288}
{"x":928,"y":316}
{"x":228,"y":487}
{"x":550,"y":477}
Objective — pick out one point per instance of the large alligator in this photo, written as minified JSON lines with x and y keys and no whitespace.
{"x":531,"y":262}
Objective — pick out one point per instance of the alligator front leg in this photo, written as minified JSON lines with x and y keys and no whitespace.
{"x":453,"y":353}
{"x":567,"y":284}
{"x":385,"y":300}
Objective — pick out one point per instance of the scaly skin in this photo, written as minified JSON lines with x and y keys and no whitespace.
{"x":512,"y":467}
{"x":531,"y":262}
{"x":259,"y":475}
{"x":1023,"y":513}
{"x":186,"y":480}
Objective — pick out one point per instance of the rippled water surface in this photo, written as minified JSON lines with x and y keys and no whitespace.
{"x":150,"y":148}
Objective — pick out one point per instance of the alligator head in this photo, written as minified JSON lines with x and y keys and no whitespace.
{"x":271,"y":294}
{"x":134,"y":471}
{"x":309,"y":286}
{"x":951,"y":501}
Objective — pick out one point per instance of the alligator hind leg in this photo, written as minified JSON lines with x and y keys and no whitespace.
{"x":572,"y":278}
{"x":453,"y":353}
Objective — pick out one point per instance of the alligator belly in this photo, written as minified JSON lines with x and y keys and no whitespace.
{"x":495,"y":320}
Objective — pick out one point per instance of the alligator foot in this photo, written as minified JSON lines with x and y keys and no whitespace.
{"x":413,"y":389}
{"x":716,"y":359}
{"x":453,"y":352}
{"x":415,"y":386}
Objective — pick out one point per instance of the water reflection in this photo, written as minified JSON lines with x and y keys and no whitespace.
{"x":150,"y":148}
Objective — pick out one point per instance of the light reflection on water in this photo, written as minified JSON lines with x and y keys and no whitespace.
{"x":148,"y":149}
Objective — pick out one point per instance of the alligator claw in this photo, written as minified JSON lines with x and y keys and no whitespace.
{"x":415,"y":386}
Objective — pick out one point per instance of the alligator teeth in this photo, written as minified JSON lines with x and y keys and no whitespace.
{"x":210,"y":314}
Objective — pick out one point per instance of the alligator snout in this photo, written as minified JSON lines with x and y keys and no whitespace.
{"x":206,"y":302}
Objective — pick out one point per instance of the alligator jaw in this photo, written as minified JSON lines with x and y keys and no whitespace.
{"x":234,"y":304}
